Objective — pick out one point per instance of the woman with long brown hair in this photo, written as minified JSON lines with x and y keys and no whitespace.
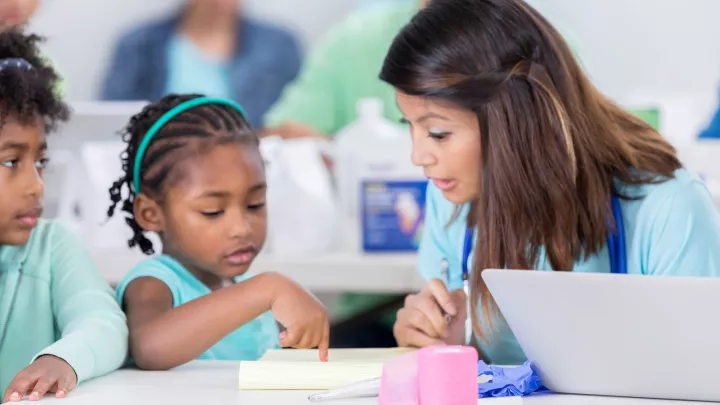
{"x":531,"y":167}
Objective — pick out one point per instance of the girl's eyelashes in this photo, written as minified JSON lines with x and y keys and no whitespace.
{"x":12,"y":163}
{"x":212,"y":214}
{"x":217,"y":213}
{"x":257,"y":206}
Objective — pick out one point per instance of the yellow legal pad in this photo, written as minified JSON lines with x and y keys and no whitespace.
{"x":303,"y":370}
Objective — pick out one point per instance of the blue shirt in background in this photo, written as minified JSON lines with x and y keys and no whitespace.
{"x":192,"y":71}
{"x":148,"y":61}
{"x":249,"y":342}
{"x":673,"y":230}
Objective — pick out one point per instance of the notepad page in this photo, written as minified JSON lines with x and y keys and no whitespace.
{"x":302,"y":369}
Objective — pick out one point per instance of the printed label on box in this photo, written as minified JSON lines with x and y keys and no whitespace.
{"x":393,"y":213}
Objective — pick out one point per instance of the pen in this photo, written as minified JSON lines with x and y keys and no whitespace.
{"x":445,"y":271}
{"x":468,"y":313}
{"x":367,"y":388}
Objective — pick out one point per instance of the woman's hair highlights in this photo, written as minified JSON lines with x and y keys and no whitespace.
{"x":552,"y":146}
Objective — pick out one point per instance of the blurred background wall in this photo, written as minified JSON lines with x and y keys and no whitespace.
{"x":630,"y":47}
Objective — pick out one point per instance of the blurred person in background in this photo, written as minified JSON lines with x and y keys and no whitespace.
{"x":208,"y":47}
{"x":16,"y":13}
{"x":342,"y":70}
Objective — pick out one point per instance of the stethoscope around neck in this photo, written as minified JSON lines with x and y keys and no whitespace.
{"x":616,"y":251}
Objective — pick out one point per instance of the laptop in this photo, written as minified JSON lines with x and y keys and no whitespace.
{"x":615,"y":335}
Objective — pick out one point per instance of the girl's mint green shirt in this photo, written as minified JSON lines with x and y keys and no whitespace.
{"x":63,"y":307}
{"x":249,"y":342}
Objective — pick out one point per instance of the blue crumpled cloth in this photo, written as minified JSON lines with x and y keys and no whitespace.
{"x":509,"y":381}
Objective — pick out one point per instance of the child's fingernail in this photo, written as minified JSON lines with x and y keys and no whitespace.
{"x":15,"y":396}
{"x":35,"y":395}
{"x":61,"y":394}
{"x":283,"y":335}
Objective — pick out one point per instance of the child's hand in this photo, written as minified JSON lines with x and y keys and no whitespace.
{"x":304,"y":317}
{"x":46,"y":374}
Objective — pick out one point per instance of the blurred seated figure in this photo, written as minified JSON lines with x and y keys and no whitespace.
{"x":209,"y":47}
{"x":17,"y":14}
{"x":342,"y":70}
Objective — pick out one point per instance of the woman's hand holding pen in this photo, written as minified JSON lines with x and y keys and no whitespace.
{"x":423,"y":321}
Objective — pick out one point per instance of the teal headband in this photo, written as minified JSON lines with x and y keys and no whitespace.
{"x":164,"y":120}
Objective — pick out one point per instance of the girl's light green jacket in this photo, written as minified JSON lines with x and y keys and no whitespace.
{"x":54,"y":301}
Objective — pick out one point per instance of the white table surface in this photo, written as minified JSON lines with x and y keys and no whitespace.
{"x":213,"y":382}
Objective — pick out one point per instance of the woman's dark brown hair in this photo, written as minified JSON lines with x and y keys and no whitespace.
{"x":552,"y":146}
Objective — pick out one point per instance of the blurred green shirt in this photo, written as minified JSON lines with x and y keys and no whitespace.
{"x":343,"y":70}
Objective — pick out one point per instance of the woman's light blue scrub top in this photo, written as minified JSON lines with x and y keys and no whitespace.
{"x":673,"y":230}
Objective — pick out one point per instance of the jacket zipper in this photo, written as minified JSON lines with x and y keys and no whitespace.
{"x":10,"y":309}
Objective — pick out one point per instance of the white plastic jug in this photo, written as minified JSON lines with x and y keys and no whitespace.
{"x":370,"y":148}
{"x":378,"y":185}
{"x":301,"y":207}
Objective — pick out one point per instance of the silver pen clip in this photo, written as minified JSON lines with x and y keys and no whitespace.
{"x":468,"y":312}
{"x":445,"y":271}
